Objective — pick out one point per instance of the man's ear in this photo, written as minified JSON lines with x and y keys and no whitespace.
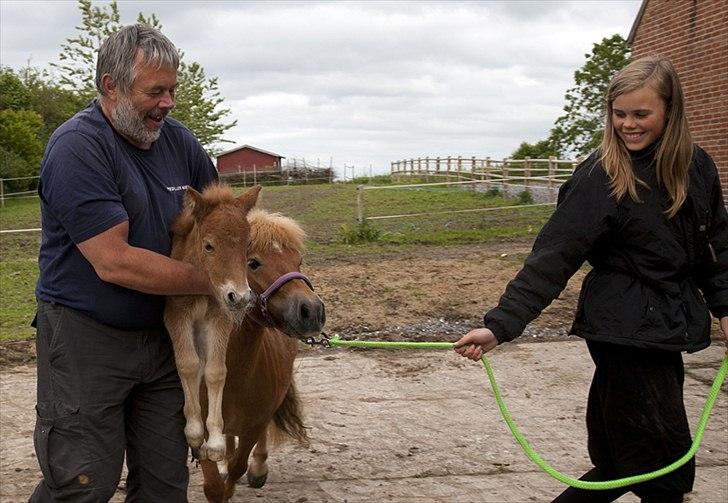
{"x":109,"y":87}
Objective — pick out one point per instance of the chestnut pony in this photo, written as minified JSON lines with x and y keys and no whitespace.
{"x":260,"y":396}
{"x":212,"y":233}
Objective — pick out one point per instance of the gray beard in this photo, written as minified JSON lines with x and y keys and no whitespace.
{"x":128,"y":122}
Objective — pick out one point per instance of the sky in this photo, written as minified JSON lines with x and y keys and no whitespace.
{"x":363,"y":83}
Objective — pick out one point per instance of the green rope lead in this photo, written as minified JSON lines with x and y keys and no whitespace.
{"x":533,"y":455}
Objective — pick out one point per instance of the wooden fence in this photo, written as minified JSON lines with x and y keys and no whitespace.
{"x":542,"y":177}
{"x":526,"y":171}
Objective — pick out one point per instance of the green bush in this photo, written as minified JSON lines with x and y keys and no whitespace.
{"x":525,"y":197}
{"x":361,"y":233}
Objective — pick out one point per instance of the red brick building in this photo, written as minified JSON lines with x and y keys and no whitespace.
{"x":694,"y":35}
{"x":247,"y":158}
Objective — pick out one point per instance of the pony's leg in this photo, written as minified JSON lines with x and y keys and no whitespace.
{"x":181,"y":332}
{"x":216,"y":333}
{"x":213,"y":485}
{"x":238,"y":464}
{"x":258,"y":469}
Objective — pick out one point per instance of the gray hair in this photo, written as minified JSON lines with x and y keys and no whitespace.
{"x":118,"y":53}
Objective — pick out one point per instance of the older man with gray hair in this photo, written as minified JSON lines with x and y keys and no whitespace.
{"x":112,"y":179}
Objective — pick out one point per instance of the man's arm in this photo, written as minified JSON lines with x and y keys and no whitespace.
{"x":115,"y":261}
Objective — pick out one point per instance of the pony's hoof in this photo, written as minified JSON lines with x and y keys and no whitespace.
{"x":257,"y":481}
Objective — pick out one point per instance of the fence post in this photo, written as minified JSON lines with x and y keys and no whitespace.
{"x":437,"y":165}
{"x":255,"y":176}
{"x":487,"y":173}
{"x":448,"y":168}
{"x":2,"y":192}
{"x":460,"y":166}
{"x":360,"y":204}
{"x":526,"y":171}
{"x":552,"y":174}
{"x":504,"y":173}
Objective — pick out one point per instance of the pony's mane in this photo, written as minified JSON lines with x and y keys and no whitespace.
{"x":271,"y":230}
{"x":214,"y":194}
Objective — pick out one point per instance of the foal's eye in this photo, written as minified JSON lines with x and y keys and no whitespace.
{"x":253,"y":264}
{"x":209,"y":248}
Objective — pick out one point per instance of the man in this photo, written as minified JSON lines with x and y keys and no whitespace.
{"x":112,"y":180}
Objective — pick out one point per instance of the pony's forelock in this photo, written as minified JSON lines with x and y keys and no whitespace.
{"x":268,"y":230}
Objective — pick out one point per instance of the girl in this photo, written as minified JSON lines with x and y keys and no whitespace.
{"x":646,"y":211}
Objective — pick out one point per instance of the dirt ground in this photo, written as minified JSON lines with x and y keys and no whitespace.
{"x":416,"y":426}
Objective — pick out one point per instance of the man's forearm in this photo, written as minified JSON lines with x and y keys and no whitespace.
{"x":150,"y":272}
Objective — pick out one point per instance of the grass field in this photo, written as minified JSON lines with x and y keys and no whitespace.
{"x":327,"y":212}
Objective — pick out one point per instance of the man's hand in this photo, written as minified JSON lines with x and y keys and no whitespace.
{"x":475,"y":343}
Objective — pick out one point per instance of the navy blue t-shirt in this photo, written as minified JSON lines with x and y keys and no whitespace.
{"x":93,"y":179}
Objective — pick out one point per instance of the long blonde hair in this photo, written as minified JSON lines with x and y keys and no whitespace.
{"x":675,"y":147}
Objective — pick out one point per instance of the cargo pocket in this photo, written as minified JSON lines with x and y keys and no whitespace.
{"x":59,"y":445}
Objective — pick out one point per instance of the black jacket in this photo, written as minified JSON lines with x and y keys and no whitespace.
{"x":651,"y":276}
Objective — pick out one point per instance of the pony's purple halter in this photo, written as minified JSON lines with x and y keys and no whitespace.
{"x":259,"y":301}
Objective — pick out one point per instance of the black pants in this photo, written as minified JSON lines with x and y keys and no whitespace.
{"x":105,"y":393}
{"x":636,"y":423}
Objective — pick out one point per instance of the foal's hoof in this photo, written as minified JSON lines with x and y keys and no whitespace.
{"x":257,"y":481}
{"x":212,"y":454}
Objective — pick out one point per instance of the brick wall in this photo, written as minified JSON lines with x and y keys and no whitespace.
{"x":694,"y":35}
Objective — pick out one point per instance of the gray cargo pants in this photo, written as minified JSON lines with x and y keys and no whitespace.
{"x":105,"y":393}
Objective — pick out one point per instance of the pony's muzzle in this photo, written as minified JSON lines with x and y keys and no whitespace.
{"x":235,"y":301}
{"x":311,"y":316}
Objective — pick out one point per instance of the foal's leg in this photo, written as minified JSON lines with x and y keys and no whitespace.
{"x":217,"y":333}
{"x":258,"y":469}
{"x":181,"y":331}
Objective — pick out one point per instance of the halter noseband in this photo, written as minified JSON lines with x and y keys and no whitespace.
{"x":259,"y":301}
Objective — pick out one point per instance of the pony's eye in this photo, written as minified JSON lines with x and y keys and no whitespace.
{"x":253,"y":264}
{"x":209,"y":248}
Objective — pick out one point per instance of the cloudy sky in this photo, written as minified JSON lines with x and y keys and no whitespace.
{"x":364,"y":83}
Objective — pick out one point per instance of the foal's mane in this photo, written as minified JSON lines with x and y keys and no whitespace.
{"x":213,"y":195}
{"x":271,"y":231}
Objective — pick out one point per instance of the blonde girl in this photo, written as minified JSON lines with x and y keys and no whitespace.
{"x":646,"y":211}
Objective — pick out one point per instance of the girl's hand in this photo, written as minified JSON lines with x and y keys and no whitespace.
{"x":481,"y":340}
{"x":724,"y":329}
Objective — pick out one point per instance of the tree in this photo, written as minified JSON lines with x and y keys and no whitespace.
{"x":540,"y":150}
{"x":13,"y":93}
{"x":580,"y":129}
{"x":54,"y":104}
{"x":78,"y":55}
{"x":197,"y":107}
{"x":198,"y":101}
{"x":21,"y":148}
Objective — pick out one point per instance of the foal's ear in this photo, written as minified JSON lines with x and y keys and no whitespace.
{"x":192,"y":199}
{"x":247,"y":199}
{"x":194,"y":203}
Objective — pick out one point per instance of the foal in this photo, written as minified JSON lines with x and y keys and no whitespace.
{"x":212,"y":233}
{"x":260,"y":392}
